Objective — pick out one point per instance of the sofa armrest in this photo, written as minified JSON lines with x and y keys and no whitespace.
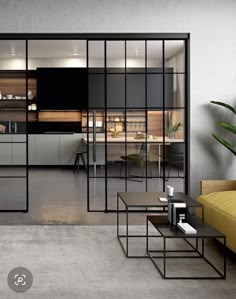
{"x":209,"y":186}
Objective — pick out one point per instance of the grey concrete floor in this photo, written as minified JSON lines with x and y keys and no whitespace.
{"x":59,"y":196}
{"x":87,"y":262}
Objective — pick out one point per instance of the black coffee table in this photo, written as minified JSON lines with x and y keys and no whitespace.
{"x":166,"y":231}
{"x":145,"y":202}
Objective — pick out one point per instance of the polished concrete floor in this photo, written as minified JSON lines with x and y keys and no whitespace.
{"x":86,"y":262}
{"x":59,"y":196}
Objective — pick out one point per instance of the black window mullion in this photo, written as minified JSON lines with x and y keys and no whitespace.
{"x":27,"y":127}
{"x":105,"y":93}
{"x":146,"y":120}
{"x":163,"y":115}
{"x":87,"y":129}
{"x":126,"y":162}
{"x":186,"y":118}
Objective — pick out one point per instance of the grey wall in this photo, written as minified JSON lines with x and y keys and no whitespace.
{"x":212,"y":26}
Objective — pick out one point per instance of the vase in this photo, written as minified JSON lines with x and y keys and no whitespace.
{"x":171,"y":135}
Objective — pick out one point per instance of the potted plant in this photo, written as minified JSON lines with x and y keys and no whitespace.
{"x":230,"y":127}
{"x":173,"y":129}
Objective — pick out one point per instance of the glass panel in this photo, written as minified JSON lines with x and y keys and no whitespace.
{"x":115,"y":90}
{"x":13,"y":193}
{"x":155,"y":125}
{"x":115,"y":161}
{"x":96,"y":148}
{"x":12,"y":87}
{"x":115,"y":142}
{"x":136,"y":90}
{"x":59,"y":66}
{"x":136,"y":160}
{"x":13,"y":115}
{"x":154,"y":185}
{"x":175,"y":90}
{"x":96,"y":100}
{"x":96,"y":90}
{"x":175,"y":126}
{"x":154,"y":90}
{"x":136,"y":184}
{"x":115,"y":56}
{"x":113,"y":186}
{"x":135,"y":56}
{"x":135,"y":124}
{"x":175,"y":56}
{"x":96,"y":55}
{"x":154,"y":56}
{"x":175,"y":161}
{"x":56,"y":53}
{"x":97,"y":194}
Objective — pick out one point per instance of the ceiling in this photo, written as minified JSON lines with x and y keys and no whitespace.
{"x":77,"y":48}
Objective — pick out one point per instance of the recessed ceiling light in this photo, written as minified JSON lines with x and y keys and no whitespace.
{"x":75,"y":54}
{"x":137,"y":52}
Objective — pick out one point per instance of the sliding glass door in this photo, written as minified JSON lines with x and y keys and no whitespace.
{"x":133,"y":122}
{"x":13,"y":126}
{"x":137,"y":117}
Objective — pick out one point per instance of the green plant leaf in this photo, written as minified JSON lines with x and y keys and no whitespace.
{"x":224,"y":105}
{"x":228,"y":126}
{"x":225,"y":143}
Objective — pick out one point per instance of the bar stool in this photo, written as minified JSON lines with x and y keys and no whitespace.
{"x":78,"y":155}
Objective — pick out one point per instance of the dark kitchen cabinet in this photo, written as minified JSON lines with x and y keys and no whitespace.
{"x":155,"y":90}
{"x":115,"y":90}
{"x":136,"y":91}
{"x":96,"y":91}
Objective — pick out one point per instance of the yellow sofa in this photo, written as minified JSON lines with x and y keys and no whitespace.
{"x":220,"y":209}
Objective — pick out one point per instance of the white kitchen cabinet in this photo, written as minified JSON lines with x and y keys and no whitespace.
{"x":32,"y":149}
{"x":12,"y":153}
{"x":5,"y":153}
{"x":18,"y":150}
{"x":47,"y":149}
{"x":68,"y":145}
{"x":5,"y":149}
{"x":19,"y":137}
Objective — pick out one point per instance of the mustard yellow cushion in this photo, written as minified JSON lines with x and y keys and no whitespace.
{"x":220,"y":212}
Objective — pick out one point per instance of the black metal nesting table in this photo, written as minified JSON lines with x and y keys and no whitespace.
{"x":166,"y":231}
{"x":145,"y":202}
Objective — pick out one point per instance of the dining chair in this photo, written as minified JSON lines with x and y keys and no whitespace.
{"x":140,"y":159}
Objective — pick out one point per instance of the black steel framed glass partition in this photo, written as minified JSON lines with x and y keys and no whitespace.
{"x":138,"y":109}
{"x":136,"y":125}
{"x":13,"y":126}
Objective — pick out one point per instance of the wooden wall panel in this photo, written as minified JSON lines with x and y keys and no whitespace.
{"x":155,"y":122}
{"x":59,"y":116}
{"x":17,"y":86}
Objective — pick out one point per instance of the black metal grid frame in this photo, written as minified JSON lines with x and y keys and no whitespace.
{"x":196,"y":253}
{"x":186,"y":112}
{"x":111,"y":37}
{"x":26,"y":176}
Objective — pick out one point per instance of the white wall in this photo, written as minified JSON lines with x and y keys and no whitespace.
{"x":211,"y":24}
